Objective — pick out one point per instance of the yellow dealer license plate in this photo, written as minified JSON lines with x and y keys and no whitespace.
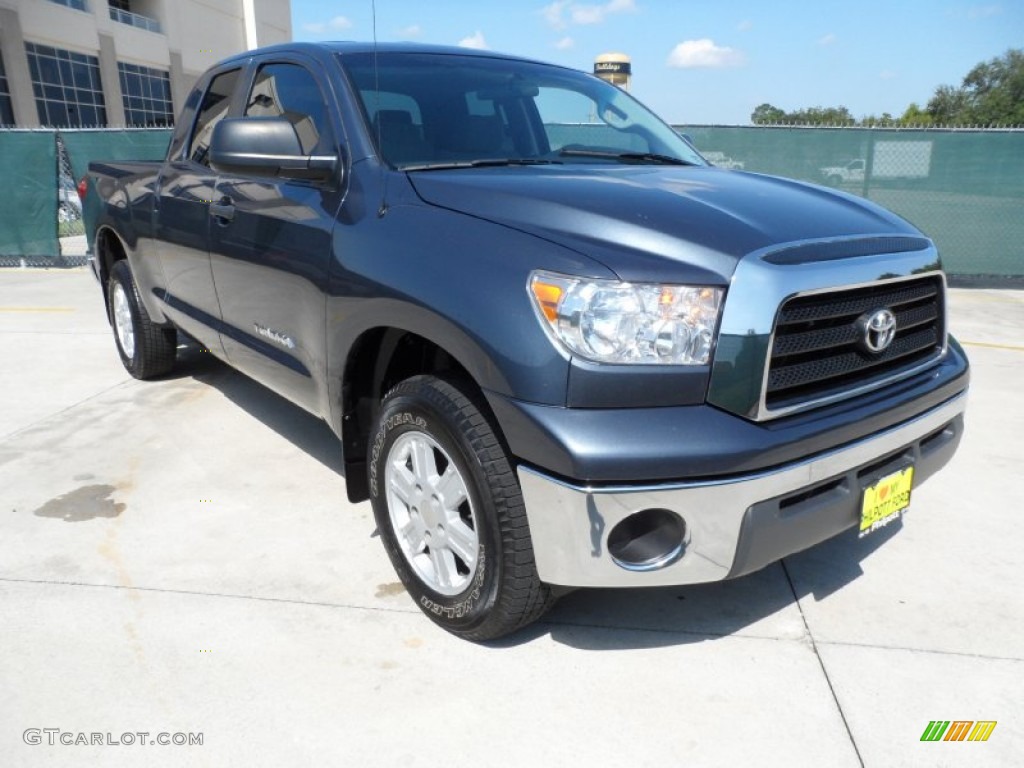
{"x":886,"y":500}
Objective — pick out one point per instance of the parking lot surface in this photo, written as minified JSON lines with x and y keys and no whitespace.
{"x":178,"y":557}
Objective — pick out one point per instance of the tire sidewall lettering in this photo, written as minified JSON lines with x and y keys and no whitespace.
{"x":400,"y":419}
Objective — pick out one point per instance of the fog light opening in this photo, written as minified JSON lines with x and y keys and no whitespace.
{"x":647,"y":540}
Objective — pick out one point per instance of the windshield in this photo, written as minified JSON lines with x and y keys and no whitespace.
{"x":431,"y":110}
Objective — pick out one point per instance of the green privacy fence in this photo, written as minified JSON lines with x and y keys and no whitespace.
{"x":28,"y":216}
{"x":963,"y":188}
{"x":40,"y":170}
{"x":85,"y":146}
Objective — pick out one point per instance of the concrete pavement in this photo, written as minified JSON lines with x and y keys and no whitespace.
{"x":178,"y":557}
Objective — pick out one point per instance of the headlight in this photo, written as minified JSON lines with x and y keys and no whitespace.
{"x":611,"y":322}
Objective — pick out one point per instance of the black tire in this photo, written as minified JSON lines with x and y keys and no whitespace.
{"x":153,"y":347}
{"x":502,"y":591}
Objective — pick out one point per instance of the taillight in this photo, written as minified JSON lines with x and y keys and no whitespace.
{"x":83,"y":187}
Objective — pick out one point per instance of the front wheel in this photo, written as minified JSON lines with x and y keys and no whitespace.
{"x":450,"y":512}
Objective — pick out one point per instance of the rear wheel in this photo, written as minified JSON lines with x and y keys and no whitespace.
{"x":146,"y":349}
{"x":450,"y":513}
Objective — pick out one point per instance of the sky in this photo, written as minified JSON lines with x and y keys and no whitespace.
{"x":702,"y":62}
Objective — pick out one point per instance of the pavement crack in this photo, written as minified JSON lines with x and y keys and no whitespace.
{"x":36,"y":423}
{"x":198,"y":593}
{"x":909,"y":649}
{"x":821,"y":663}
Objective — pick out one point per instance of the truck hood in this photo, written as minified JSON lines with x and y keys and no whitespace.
{"x":651,"y":223}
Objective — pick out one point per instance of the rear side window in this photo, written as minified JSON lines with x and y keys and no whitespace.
{"x":290,"y":91}
{"x":213,"y":109}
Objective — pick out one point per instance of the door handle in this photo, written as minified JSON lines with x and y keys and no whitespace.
{"x":223,"y":211}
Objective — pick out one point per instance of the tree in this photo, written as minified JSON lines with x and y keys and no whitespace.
{"x":992,"y":93}
{"x":914,"y":115}
{"x":885,"y":121}
{"x":767,"y":114}
{"x":823,"y":116}
{"x":996,"y":90}
{"x":949,"y":105}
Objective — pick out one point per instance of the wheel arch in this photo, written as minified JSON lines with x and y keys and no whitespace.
{"x":378,"y":359}
{"x":109,"y":249}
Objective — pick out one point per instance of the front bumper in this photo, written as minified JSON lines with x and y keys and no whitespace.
{"x":735,"y":524}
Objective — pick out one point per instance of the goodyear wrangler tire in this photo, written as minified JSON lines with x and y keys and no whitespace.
{"x":146,"y":349}
{"x":450,"y":512}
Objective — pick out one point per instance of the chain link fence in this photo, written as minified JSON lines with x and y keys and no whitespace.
{"x":70,"y":223}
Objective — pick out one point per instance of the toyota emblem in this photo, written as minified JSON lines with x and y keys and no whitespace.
{"x":877,"y":330}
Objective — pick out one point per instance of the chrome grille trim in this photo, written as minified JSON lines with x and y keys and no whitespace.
{"x":758,"y":289}
{"x":817,"y":361}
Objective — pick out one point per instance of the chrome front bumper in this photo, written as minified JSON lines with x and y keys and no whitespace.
{"x":569,"y":524}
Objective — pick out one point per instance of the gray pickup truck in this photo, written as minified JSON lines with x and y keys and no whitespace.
{"x":558,"y":347}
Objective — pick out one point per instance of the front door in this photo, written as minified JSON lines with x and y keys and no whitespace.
{"x":270,"y":246}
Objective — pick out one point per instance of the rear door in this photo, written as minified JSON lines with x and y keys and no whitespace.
{"x":186,"y":189}
{"x":270,"y":251}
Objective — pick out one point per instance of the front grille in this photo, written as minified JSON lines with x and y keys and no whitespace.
{"x":818,"y":350}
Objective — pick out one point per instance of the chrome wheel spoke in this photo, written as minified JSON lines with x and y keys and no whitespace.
{"x":463,"y":542}
{"x":414,"y":535}
{"x":444,"y":566}
{"x":423,"y":464}
{"x":451,"y":488}
{"x":402,"y":483}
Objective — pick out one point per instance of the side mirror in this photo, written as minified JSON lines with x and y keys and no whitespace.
{"x":265,"y":146}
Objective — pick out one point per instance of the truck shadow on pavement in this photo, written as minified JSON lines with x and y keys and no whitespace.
{"x":301,"y":428}
{"x":760,"y":605}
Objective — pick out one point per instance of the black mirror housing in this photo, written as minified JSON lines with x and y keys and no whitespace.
{"x":265,"y":146}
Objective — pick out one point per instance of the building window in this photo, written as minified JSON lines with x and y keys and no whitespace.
{"x":147,"y":95}
{"x":78,"y":5}
{"x":6,"y":111}
{"x":67,"y":87}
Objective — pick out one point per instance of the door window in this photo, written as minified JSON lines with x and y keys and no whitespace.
{"x":290,"y":91}
{"x":213,"y":109}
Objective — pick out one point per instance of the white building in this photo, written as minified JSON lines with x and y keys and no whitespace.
{"x":120,"y":62}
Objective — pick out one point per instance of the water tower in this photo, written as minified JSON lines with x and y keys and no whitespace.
{"x":616,"y":68}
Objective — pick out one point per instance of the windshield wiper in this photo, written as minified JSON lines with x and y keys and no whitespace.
{"x":483,"y":163}
{"x":627,"y":157}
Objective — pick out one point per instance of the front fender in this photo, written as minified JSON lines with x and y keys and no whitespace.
{"x":457,"y":281}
